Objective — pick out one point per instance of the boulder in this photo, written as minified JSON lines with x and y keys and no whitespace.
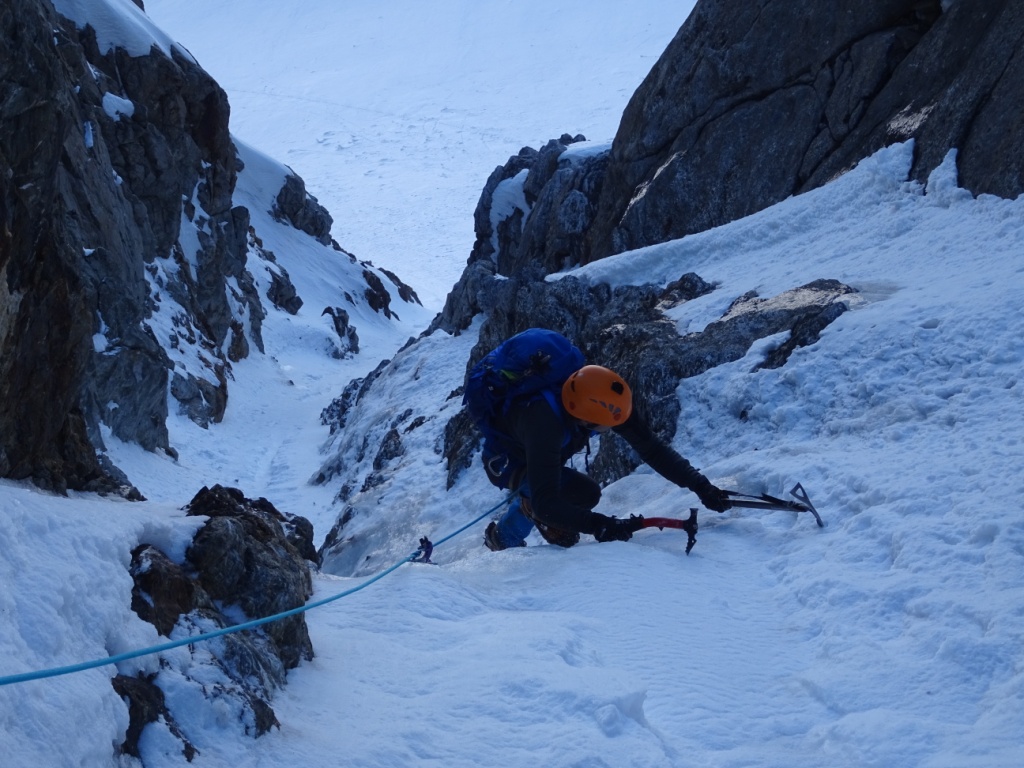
{"x":243,"y":556}
{"x":247,"y":558}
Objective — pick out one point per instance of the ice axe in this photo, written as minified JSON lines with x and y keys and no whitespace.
{"x":764,"y":501}
{"x":689,"y":525}
{"x":737,"y":499}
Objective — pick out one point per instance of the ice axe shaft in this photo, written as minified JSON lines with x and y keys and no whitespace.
{"x":764,"y":501}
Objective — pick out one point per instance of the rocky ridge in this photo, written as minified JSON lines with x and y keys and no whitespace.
{"x":754,"y":102}
{"x":127,"y":282}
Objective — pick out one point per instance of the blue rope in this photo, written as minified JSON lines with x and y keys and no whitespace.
{"x":58,"y":671}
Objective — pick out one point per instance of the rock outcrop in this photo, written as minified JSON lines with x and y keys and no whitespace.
{"x":248,"y":557}
{"x":124,"y":259}
{"x":105,"y":158}
{"x":532,"y":216}
{"x":302,"y":210}
{"x":755,"y":101}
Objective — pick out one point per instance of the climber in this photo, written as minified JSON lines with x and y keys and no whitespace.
{"x":548,"y":413}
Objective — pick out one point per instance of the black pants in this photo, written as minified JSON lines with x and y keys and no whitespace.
{"x":517,"y":522}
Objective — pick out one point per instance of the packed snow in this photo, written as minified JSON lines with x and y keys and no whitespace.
{"x":892,"y":637}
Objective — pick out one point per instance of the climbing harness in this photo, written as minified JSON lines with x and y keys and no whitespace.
{"x":421,"y":555}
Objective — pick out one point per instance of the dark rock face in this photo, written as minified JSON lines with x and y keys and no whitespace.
{"x":44,"y":323}
{"x":249,"y":556}
{"x":174,"y":146}
{"x":962,"y":87}
{"x":721,"y":126}
{"x":122,"y":253}
{"x":302,"y":210}
{"x":243,"y":556}
{"x":98,"y":150}
{"x":753,"y":102}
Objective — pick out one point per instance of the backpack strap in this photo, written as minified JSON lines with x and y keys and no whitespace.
{"x":555,"y":404}
{"x":502,"y":467}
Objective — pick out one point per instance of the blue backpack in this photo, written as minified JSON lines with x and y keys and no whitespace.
{"x":531,"y":364}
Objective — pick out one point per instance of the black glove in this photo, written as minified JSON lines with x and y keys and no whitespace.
{"x":714,"y":498}
{"x":620,"y":530}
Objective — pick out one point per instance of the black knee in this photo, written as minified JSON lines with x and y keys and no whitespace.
{"x":579,"y":489}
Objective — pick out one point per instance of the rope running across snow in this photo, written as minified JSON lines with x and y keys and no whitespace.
{"x":420,"y":555}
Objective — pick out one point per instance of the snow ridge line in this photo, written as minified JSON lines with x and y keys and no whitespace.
{"x":424,"y":550}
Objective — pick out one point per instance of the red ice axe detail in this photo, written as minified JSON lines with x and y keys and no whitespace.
{"x":689,"y":525}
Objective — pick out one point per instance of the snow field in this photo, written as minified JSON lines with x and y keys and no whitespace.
{"x":67,"y":599}
{"x":890,"y":638}
{"x":394,"y":113}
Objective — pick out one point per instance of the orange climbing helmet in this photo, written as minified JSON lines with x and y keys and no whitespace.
{"x":597,"y":395}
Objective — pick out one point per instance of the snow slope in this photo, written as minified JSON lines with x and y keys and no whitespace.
{"x":395,"y":112}
{"x":893,"y":637}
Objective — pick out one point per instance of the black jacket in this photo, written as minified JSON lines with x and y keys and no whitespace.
{"x":542,"y":440}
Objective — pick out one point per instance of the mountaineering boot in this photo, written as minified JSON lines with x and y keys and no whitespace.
{"x":493,"y":540}
{"x":509,"y":530}
{"x":558,"y":536}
